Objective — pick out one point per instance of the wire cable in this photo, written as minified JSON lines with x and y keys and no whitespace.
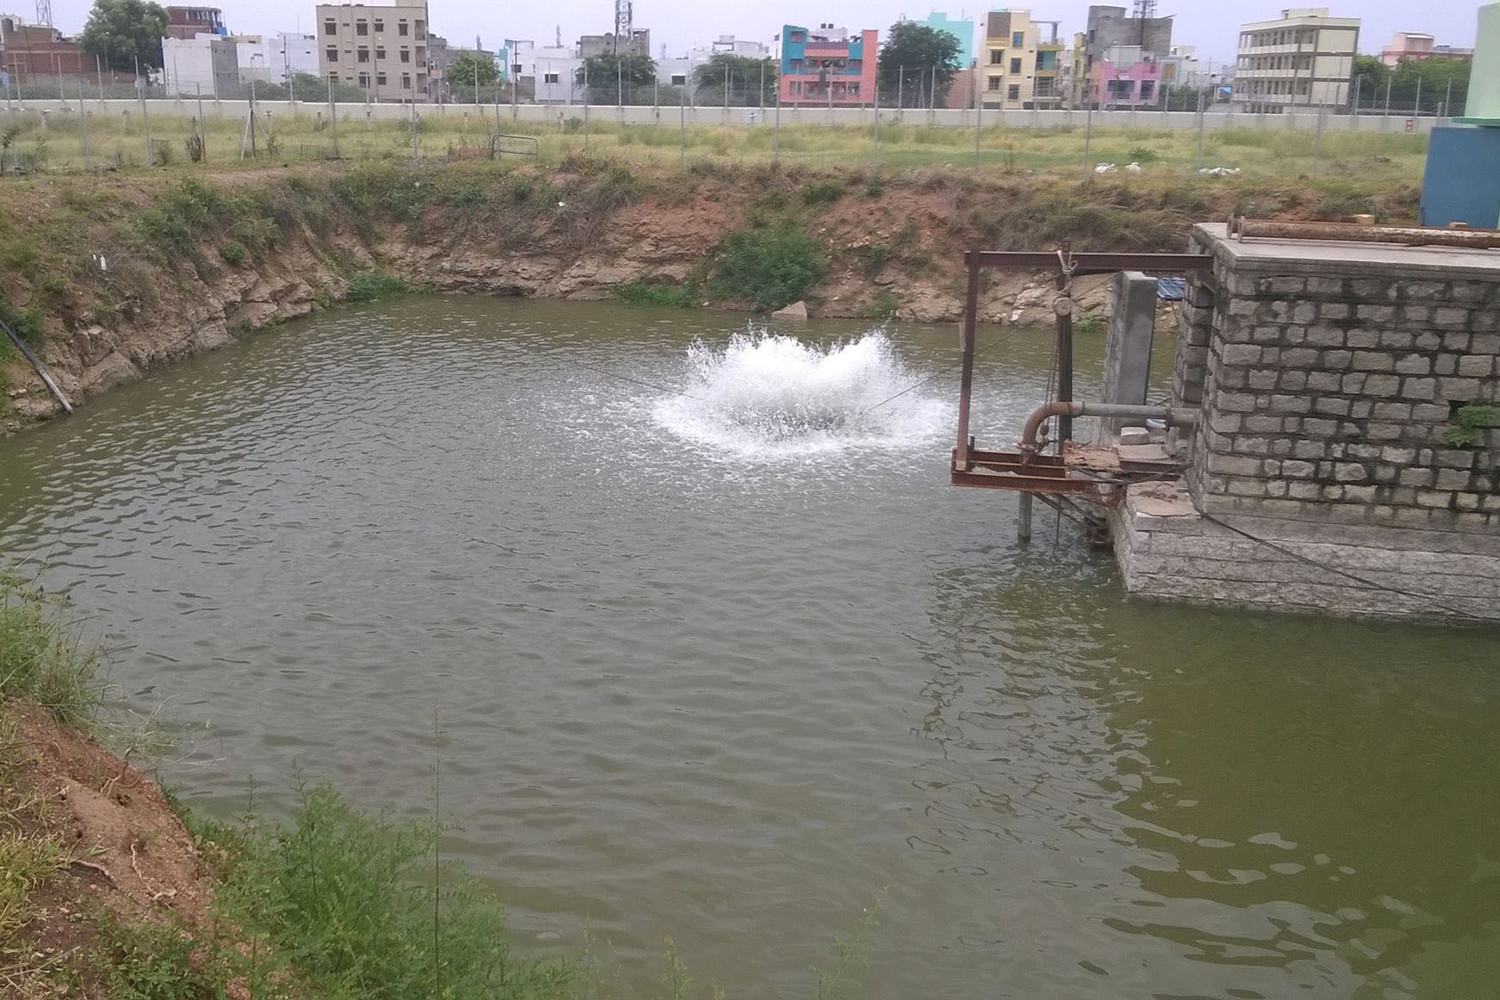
{"x":1433,"y":599}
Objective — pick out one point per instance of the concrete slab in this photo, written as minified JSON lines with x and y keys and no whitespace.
{"x":1348,"y":259}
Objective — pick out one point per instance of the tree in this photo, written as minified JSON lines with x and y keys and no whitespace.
{"x":744,"y":76}
{"x":912,"y":55}
{"x":612,"y":78}
{"x":120,"y":32}
{"x":1428,"y":80}
{"x":472,"y":68}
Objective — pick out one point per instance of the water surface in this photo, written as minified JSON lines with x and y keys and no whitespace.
{"x":717,"y":653}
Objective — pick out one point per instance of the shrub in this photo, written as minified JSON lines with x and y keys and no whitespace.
{"x":770,"y":267}
{"x":41,"y":658}
{"x":26,"y":323}
{"x":233,"y":253}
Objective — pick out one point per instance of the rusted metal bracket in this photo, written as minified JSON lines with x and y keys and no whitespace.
{"x":1030,"y":472}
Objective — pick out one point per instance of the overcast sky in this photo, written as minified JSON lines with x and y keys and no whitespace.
{"x":1212,"y":25}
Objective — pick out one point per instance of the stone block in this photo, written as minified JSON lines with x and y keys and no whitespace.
{"x":1324,"y":381}
{"x":1350,"y":472}
{"x":1299,"y":357}
{"x":1383,"y":432}
{"x":1365,"y":452}
{"x":1372,"y":361}
{"x":1335,"y":360}
{"x":1309,"y":449}
{"x":1429,"y":412}
{"x":1303,"y":490}
{"x":1458,"y":343}
{"x":1362,"y":338}
{"x":1298,"y":470}
{"x":1320,"y":428}
{"x":1401,"y":456}
{"x":1450,"y":318}
{"x":1304,"y":312}
{"x":1392,"y":411}
{"x":1262,"y":378}
{"x":1445,"y":364}
{"x":1453,"y":479}
{"x":1290,"y":404}
{"x":1334,"y":310}
{"x":1234,"y":402}
{"x":1486,"y":343}
{"x":1458,"y":389}
{"x":1233,"y":465}
{"x":1432,"y":498}
{"x":1326,"y":287}
{"x":1332,"y":405}
{"x":1417,"y":389}
{"x":1239,"y":354}
{"x":1424,"y":291}
{"x":1476,"y":365}
{"x":1296,"y":381}
{"x":1262,"y":424}
{"x":1454,"y":458}
{"x":1380,"y":315}
{"x":1414,"y":364}
{"x":1360,"y":494}
{"x":1382,"y":385}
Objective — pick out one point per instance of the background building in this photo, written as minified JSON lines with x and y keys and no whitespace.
{"x":638,"y":43}
{"x":30,"y":53}
{"x":1303,"y":59}
{"x":205,"y":64}
{"x":1416,"y":46}
{"x":827,"y":65}
{"x":960,"y":28}
{"x":1008,"y":66}
{"x":383,"y":50}
{"x":1127,"y":77}
{"x":189,"y":22}
{"x":1112,"y":26}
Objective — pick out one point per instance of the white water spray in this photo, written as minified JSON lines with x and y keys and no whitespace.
{"x":765,"y":396}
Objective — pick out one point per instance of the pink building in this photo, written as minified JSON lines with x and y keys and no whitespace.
{"x":1416,"y":46}
{"x":1127,"y":82}
{"x":827,"y":65}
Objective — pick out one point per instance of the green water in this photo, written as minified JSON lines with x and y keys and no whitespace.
{"x":725,"y":664}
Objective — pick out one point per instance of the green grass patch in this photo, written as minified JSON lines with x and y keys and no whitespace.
{"x":233,"y":253}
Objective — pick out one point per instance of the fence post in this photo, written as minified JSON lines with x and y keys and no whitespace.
{"x":202,"y":124}
{"x":682,"y":126}
{"x":1198,"y":167}
{"x":1088,"y":135}
{"x":83,"y":123}
{"x":333,"y":120}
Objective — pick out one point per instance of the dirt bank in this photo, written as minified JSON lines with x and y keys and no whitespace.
{"x":117,"y":275}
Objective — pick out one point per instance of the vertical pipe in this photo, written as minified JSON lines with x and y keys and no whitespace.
{"x":776,"y":132}
{"x":333,"y":119}
{"x":1358,"y":87}
{"x":1198,"y":166}
{"x":900,"y":86}
{"x":585,"y":107}
{"x":1318,"y":141}
{"x":1088,"y":132}
{"x":619,"y":83}
{"x":1448,"y":100}
{"x":966,"y":350}
{"x":1417,"y":104}
{"x":1065,"y":359}
{"x":83,"y":123}
{"x":99,"y":69}
{"x":1023,"y":519}
{"x":875,"y":129}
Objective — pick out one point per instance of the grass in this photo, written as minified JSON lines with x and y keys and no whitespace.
{"x":651,"y":293}
{"x":42,"y":657}
{"x":372,"y":286}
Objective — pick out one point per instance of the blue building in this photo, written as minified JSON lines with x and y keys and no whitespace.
{"x":961,"y":29}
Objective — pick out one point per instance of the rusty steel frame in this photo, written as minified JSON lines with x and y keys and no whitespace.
{"x":1047,"y":474}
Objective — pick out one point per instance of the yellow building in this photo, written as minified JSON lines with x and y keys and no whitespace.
{"x":1008,"y":64}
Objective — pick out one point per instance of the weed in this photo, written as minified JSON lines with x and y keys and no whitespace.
{"x":770,"y":266}
{"x":26,"y":323}
{"x":374,"y":285}
{"x":822,"y":193}
{"x":25,"y":863}
{"x":152,"y":961}
{"x":646,"y":293}
{"x":1088,"y":325}
{"x":1143,"y":154}
{"x":1467,"y":424}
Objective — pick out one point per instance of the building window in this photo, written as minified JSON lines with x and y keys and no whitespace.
{"x":379,"y":25}
{"x":1148,"y":90}
{"x":379,"y":52}
{"x":405,"y":81}
{"x":364,"y":55}
{"x":401,"y":28}
{"x":679,"y":79}
{"x":797,"y":36}
{"x":550,"y":78}
{"x":380,"y":79}
{"x":361,"y":27}
{"x":332,"y":52}
{"x":330,"y":27}
{"x":1014,"y":92}
{"x":997,"y":57}
{"x":406,"y":55}
{"x":994,"y":83}
{"x":364,"y":80}
{"x":1018,"y":40}
{"x":333,"y":78}
{"x":1015,"y":65}
{"x":421,"y":27}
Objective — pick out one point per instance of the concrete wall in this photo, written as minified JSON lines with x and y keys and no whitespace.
{"x":849,"y":117}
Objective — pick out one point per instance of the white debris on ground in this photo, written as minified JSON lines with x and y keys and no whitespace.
{"x":1219,"y":171}
{"x":1104,"y":168}
{"x":1134,"y":168}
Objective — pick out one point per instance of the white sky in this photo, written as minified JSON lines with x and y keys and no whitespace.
{"x":1212,"y":25}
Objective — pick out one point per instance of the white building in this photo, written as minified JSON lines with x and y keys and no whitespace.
{"x":1304,"y":59}
{"x":555,"y":69}
{"x":204,"y":64}
{"x":741,"y":47}
{"x":288,"y":52}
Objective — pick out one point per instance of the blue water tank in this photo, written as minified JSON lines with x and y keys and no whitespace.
{"x":1462,"y":182}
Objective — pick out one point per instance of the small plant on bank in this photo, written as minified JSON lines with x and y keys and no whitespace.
{"x":1467,"y":424}
{"x":770,"y":266}
{"x":1088,"y":325}
{"x":233,"y":253}
{"x":41,"y":656}
{"x":822,"y":193}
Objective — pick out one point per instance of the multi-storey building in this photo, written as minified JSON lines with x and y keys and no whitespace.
{"x":639,"y":43}
{"x":1049,"y":89}
{"x":1112,"y":26}
{"x":29,"y":52}
{"x":1416,"y":46}
{"x":383,"y":50}
{"x":190,"y":22}
{"x":205,"y":64}
{"x":1008,"y":65}
{"x":1304,"y":59}
{"x":827,"y":65}
{"x":961,"y":28}
{"x":1126,"y":77}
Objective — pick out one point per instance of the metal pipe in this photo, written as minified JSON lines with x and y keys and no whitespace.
{"x":1478,"y":239}
{"x":40,"y":369}
{"x":1064,"y":408}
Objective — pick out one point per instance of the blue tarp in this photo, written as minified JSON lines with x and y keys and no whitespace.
{"x":1170,"y":289}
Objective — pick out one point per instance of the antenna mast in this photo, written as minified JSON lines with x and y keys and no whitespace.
{"x":1145,"y":10}
{"x":622,"y":23}
{"x":44,"y":12}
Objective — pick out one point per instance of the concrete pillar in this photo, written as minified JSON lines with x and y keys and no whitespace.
{"x":1127,"y":356}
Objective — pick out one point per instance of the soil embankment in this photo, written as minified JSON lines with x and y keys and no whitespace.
{"x":114,"y":276}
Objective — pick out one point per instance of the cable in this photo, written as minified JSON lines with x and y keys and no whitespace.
{"x":626,"y":378}
{"x":1432,"y":599}
{"x":916,"y":385}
